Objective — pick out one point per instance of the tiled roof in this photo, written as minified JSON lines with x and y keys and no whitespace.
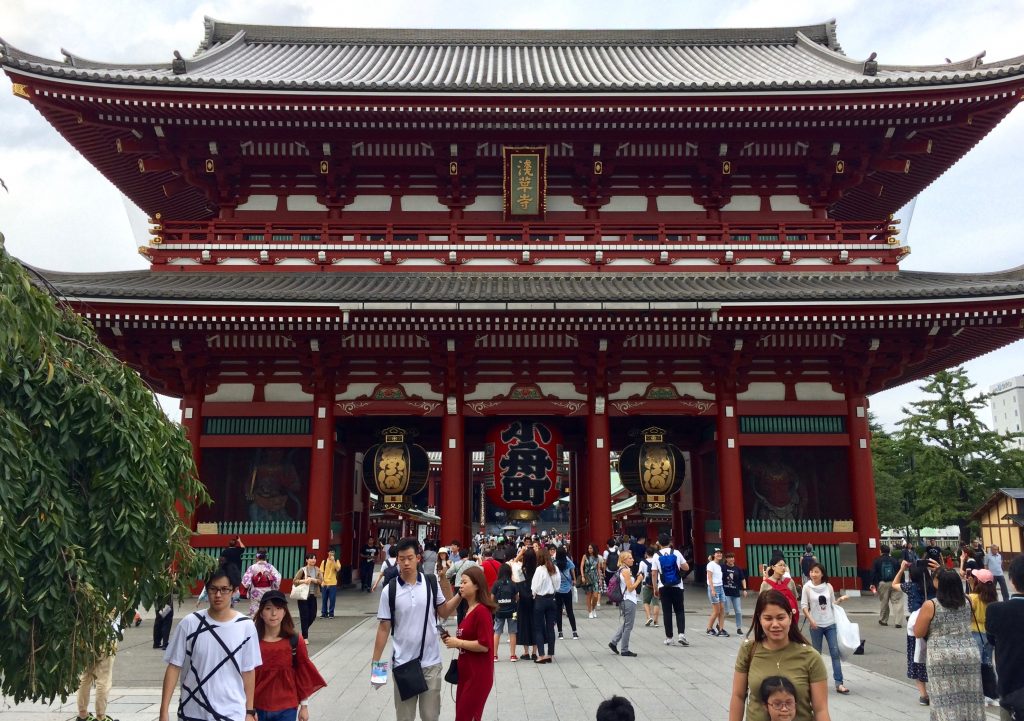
{"x":530,"y":61}
{"x":431,"y":289}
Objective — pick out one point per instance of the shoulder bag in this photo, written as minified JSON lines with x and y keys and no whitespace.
{"x":409,"y":676}
{"x":300,"y":591}
{"x":989,"y":685}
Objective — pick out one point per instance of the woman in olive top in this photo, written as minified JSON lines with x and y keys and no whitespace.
{"x":778,"y":649}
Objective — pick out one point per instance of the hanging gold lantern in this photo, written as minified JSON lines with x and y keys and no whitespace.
{"x":653,"y":470}
{"x":395,"y":470}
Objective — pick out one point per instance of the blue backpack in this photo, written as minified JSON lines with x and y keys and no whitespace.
{"x":669,"y":568}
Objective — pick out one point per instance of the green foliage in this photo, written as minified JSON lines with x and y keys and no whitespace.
{"x":952,"y":461}
{"x":894,"y":488}
{"x":91,"y":471}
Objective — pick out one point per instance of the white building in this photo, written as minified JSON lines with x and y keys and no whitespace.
{"x":1006,"y":400}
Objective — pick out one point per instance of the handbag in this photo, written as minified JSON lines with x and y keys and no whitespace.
{"x":989,"y":684}
{"x":409,"y":676}
{"x":299,"y":592}
{"x":452,"y":675}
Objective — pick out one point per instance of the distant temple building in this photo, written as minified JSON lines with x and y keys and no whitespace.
{"x":376,"y":252}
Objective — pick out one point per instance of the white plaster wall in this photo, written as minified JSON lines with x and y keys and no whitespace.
{"x":625,"y":204}
{"x":486,"y":391}
{"x":305,"y":202}
{"x":488,"y":203}
{"x":562,"y":204}
{"x":763,"y":392}
{"x":232,"y":393}
{"x":788,"y":202}
{"x":259,"y":202}
{"x":744,"y":203}
{"x":422,"y":203}
{"x":285,"y":392}
{"x":370,"y":203}
{"x":678,"y":203}
{"x":817,"y":392}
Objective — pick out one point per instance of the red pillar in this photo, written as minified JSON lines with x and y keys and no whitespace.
{"x":192,"y":422}
{"x":321,"y":474}
{"x":453,"y":477}
{"x":599,"y":481}
{"x":862,"y":481}
{"x":730,"y":474}
{"x":699,"y":514}
{"x":581,"y":534}
{"x":346,"y":553}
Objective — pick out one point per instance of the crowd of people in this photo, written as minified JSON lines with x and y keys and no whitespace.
{"x":526,"y":588}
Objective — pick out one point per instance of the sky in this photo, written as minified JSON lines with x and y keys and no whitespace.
{"x":60,"y":214}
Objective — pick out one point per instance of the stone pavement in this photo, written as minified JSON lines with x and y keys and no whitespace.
{"x":662,"y":682}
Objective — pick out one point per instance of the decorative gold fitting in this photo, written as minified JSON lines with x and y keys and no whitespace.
{"x":726,"y":167}
{"x":21,"y":90}
{"x":598,"y":167}
{"x":453,"y":167}
{"x":325,"y":167}
{"x":840,"y":167}
{"x":210,"y":166}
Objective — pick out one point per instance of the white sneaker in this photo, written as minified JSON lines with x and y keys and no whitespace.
{"x":682,"y":640}
{"x":668,"y":641}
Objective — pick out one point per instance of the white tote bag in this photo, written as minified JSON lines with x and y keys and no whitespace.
{"x":847,"y":633}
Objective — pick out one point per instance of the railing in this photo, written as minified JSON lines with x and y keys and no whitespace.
{"x":810,"y":232}
{"x":827,"y":555}
{"x":234,"y":528}
{"x":286,"y":559}
{"x":800,"y":525}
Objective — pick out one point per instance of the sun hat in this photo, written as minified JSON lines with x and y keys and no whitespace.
{"x":983,"y":575}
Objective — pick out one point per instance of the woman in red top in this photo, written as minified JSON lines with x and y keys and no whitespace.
{"x":287,"y":678}
{"x":475,"y":641}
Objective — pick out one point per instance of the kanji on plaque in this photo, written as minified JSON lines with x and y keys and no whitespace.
{"x":522,"y":457}
{"x":525,"y":182}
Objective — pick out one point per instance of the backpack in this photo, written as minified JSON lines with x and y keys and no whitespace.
{"x":887,"y":569}
{"x":786,"y":591}
{"x":669,"y":568}
{"x":390,"y":572}
{"x":805,"y":563}
{"x":614,"y":589}
{"x":612,"y":563}
{"x":647,"y":569}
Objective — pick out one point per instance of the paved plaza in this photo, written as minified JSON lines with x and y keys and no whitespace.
{"x":662,"y":682}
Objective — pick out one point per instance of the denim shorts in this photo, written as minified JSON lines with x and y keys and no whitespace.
{"x":502,"y":623}
{"x":719,"y":593}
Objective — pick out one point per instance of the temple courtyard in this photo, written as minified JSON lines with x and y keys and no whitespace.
{"x":662,"y":682}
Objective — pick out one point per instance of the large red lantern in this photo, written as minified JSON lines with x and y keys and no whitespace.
{"x":653,"y":470}
{"x":395,"y":470}
{"x":522,"y":461}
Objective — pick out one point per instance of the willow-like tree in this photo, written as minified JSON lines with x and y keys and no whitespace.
{"x":93,"y":477}
{"x":956,"y":461}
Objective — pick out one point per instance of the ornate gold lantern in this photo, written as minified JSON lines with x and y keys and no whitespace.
{"x":395,"y":470}
{"x":653,"y":470}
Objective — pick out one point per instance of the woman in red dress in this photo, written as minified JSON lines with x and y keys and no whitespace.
{"x":475,"y":641}
{"x":287,"y":677}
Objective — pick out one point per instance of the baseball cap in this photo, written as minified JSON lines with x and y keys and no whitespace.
{"x":983,"y":575}
{"x":275,"y":597}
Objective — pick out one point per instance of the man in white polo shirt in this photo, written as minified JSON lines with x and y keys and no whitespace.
{"x":416,"y":598}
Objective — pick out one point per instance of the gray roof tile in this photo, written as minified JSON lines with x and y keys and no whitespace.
{"x":389,"y":60}
{"x":430,"y":288}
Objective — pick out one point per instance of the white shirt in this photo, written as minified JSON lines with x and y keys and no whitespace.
{"x":627,"y":595}
{"x":517,"y":571}
{"x":543,"y":583}
{"x":680,"y":562}
{"x":224,"y":687}
{"x":716,"y":573}
{"x":410,"y":608}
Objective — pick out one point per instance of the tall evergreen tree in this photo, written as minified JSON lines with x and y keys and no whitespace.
{"x":956,"y":460}
{"x":893,"y":471}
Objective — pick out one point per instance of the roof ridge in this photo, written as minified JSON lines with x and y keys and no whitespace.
{"x":218,"y":31}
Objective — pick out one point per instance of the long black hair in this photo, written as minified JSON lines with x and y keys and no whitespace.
{"x":561,"y":560}
{"x":529,"y":564}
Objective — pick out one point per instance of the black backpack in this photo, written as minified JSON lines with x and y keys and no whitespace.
{"x":612,"y":564}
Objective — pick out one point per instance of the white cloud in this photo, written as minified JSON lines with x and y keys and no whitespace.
{"x":63,"y":215}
